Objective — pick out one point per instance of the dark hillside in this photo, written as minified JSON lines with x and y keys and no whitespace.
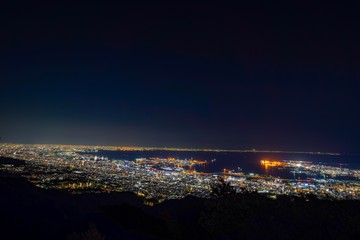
{"x":28,"y":212}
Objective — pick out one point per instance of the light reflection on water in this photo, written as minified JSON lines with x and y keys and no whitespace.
{"x":245,"y":162}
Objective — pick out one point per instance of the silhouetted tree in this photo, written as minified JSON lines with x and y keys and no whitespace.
{"x":91,"y":233}
{"x":221,"y":188}
{"x":226,"y":210}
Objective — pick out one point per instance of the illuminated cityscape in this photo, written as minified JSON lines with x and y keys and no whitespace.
{"x":176,"y":120}
{"x":79,"y":169}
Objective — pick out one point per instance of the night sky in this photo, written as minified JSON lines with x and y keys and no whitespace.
{"x":264,"y":76}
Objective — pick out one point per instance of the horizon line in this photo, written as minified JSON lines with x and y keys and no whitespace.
{"x":137,"y":148}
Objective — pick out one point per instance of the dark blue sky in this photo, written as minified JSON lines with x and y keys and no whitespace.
{"x":282,"y":76}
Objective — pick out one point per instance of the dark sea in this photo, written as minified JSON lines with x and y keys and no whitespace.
{"x":237,"y":161}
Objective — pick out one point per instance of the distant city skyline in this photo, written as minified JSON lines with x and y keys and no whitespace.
{"x":149,"y":148}
{"x":177,"y":173}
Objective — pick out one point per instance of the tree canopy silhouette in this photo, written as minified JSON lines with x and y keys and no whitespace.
{"x":221,"y":188}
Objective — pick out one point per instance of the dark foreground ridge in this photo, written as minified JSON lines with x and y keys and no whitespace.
{"x":28,"y":212}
